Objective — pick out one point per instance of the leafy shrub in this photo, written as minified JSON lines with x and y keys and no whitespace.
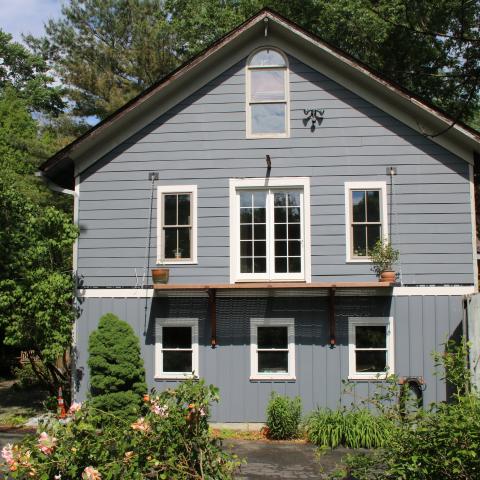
{"x":283,"y":417}
{"x":26,"y":377}
{"x":117,"y":375}
{"x":170,"y":440}
{"x":353,"y":429}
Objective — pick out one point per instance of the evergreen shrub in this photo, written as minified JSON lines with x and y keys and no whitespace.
{"x":283,"y":416}
{"x":117,"y":374}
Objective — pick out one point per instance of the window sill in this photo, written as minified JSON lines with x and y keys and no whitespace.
{"x":260,"y":378}
{"x":358,"y":260}
{"x":267,"y":135}
{"x":380,"y":377}
{"x":176,"y":376}
{"x":176,"y":262}
{"x":269,"y":280}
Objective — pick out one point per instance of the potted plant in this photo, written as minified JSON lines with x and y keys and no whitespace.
{"x":160,"y":275}
{"x":384,"y":256}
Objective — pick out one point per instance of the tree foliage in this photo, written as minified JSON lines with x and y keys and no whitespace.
{"x":117,"y":375}
{"x":108,"y":51}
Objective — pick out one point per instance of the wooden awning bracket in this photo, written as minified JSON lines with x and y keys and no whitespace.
{"x":212,"y":308}
{"x":331,"y":314}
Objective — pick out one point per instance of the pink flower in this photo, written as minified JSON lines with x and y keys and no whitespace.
{"x":141,"y":425}
{"x":7,"y":454}
{"x":74,"y":407}
{"x":160,"y":411}
{"x":46,"y":444}
{"x":91,"y":473}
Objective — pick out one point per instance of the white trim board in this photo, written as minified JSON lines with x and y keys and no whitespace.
{"x":150,"y":292}
{"x":473,"y":220}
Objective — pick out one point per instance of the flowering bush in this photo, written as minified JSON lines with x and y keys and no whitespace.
{"x":170,"y":440}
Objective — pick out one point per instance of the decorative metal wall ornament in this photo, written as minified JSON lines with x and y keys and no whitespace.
{"x":315,"y":115}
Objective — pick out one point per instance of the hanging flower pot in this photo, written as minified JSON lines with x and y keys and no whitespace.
{"x":160,"y":275}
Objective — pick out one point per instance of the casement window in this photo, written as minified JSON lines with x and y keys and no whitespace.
{"x":267,"y":102}
{"x":366,"y":218}
{"x":272,"y":349}
{"x":176,"y":348}
{"x":371,"y":347}
{"x":177,"y":224}
{"x":270,"y":229}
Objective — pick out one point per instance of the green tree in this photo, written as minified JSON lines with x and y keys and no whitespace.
{"x":36,"y":311}
{"x":117,"y":375}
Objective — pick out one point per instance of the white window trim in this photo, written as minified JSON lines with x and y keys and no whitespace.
{"x":264,"y":183}
{"x":248,"y":69}
{"x":272,"y":322}
{"x":349,"y":186}
{"x":162,"y":189}
{"x":175,"y":322}
{"x":366,"y":321}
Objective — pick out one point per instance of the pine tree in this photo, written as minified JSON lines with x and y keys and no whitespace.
{"x":117,"y":375}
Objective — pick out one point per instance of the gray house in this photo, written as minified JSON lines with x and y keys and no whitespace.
{"x":260,"y":174}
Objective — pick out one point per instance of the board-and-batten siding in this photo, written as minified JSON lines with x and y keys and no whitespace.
{"x":202,"y":141}
{"x":421,"y":326}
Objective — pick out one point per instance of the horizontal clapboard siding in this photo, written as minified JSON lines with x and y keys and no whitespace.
{"x":421,"y":326}
{"x":202,"y":141}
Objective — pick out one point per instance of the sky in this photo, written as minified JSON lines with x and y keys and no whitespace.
{"x":27,"y":16}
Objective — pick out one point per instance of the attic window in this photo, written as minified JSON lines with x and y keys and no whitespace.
{"x":267,"y":94}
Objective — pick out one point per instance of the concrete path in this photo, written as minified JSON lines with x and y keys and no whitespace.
{"x":283,"y":460}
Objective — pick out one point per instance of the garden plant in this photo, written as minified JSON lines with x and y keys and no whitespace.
{"x":283,"y":417}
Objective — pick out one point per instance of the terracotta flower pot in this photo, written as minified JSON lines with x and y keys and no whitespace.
{"x":160,"y":275}
{"x":388,"y":276}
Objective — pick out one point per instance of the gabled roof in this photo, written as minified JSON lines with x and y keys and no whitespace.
{"x":409,"y":108}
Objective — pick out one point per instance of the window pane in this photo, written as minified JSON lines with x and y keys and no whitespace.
{"x":358,"y":206}
{"x":183,"y":250}
{"x":294,"y":231}
{"x":246,"y":249}
{"x":373,"y":234}
{"x":267,"y":85}
{"x":260,"y":199}
{"x":260,"y":232}
{"x":259,"y":265}
{"x":260,"y":249}
{"x":280,"y":249}
{"x":267,"y":58}
{"x":184,"y":209}
{"x":272,"y":337}
{"x":280,"y":232}
{"x":170,"y":209}
{"x":268,"y":118}
{"x":294,"y":215}
{"x":371,"y":361}
{"x":245,"y":215}
{"x":177,"y":337}
{"x":280,"y":265}
{"x":294,"y":199}
{"x":371,"y":336}
{"x":294,"y":248}
{"x":180,"y":362}
{"x":373,"y":206}
{"x":273,"y":362}
{"x":280,"y":214}
{"x":259,"y":215}
{"x":245,"y":232}
{"x":294,"y":265}
{"x":280,"y":199}
{"x":245,"y":199}
{"x":170,"y":242}
{"x":359,"y":240}
{"x":246,"y":265}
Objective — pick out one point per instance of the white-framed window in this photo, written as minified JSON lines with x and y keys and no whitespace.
{"x":272,"y":349}
{"x":176,"y":348}
{"x":371,"y":347}
{"x":270,"y":229}
{"x":267,"y":94}
{"x":177,"y":224}
{"x":365,"y":218}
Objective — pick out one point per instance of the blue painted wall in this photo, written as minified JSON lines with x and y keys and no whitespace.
{"x":422,"y":324}
{"x":202,"y":141}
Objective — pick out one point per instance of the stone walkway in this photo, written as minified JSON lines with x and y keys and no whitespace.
{"x":283,"y":460}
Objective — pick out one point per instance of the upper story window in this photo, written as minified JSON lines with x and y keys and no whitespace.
{"x":267,"y":94}
{"x":366,"y":218}
{"x":177,"y":224}
{"x":270,"y":229}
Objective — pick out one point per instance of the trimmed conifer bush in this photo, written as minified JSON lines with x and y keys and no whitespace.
{"x":117,"y":375}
